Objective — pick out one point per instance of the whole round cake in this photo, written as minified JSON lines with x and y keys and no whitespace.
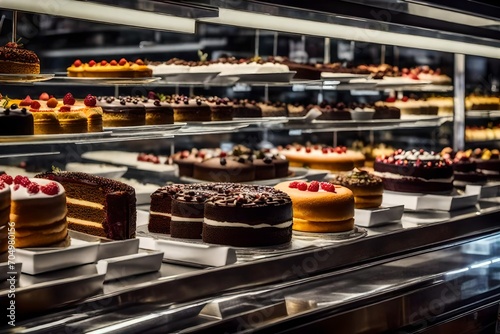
{"x":125,"y":111}
{"x":320,"y":206}
{"x":16,"y":60}
{"x":415,"y":171}
{"x":323,"y":157}
{"x":248,"y":216}
{"x":38,"y":210}
{"x":16,"y":121}
{"x":464,"y":168}
{"x":113,"y":69}
{"x":367,"y":188}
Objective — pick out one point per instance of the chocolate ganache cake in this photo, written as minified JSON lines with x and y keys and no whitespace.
{"x":124,"y":111}
{"x":160,"y":213}
{"x":248,"y":216}
{"x":415,"y":171}
{"x":16,"y":121}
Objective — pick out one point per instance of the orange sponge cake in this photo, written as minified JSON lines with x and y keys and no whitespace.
{"x":97,"y":205}
{"x":38,"y":210}
{"x":4,"y":212}
{"x":320,"y":206}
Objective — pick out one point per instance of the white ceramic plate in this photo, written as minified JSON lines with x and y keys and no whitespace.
{"x":109,"y":171}
{"x":117,"y":81}
{"x":25,"y":77}
{"x":343,"y":77}
{"x":55,"y":137}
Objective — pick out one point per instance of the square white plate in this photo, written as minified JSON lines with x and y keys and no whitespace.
{"x":378,"y":216}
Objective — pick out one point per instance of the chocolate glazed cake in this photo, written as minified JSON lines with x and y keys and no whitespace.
{"x":248,"y":216}
{"x":415,"y":171}
{"x":97,"y":205}
{"x":160,"y":212}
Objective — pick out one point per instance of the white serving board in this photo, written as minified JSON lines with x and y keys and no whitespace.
{"x":378,"y":216}
{"x":429,"y":201}
{"x":483,"y":191}
{"x":129,"y":265}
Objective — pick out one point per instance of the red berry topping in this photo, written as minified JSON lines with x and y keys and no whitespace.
{"x":65,"y":109}
{"x":50,"y":189}
{"x":308,"y":150}
{"x":293,"y":184}
{"x":122,"y":61}
{"x":44,"y":97}
{"x":302,"y":186}
{"x":7,"y":178}
{"x":2,"y":185}
{"x":103,"y":62}
{"x":90,"y":101}
{"x":405,"y":98}
{"x":313,"y":186}
{"x":77,"y":63}
{"x":324,"y":150}
{"x":26,"y":102}
{"x":92,"y":63}
{"x":222,"y":155}
{"x":35,"y":105}
{"x":52,"y":103}
{"x":327,"y":186}
{"x":69,"y":99}
{"x":390,"y":99}
{"x":22,"y":180}
{"x":33,"y":188}
{"x":16,"y":186}
{"x":139,"y":62}
{"x":113,"y":63}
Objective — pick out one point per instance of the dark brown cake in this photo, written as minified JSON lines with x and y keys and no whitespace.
{"x":125,"y":111}
{"x":246,"y":109}
{"x":15,"y":121}
{"x":333,"y":111}
{"x":224,"y":169}
{"x":190,"y":110}
{"x":158,"y":112}
{"x":415,"y":171}
{"x":248,"y":216}
{"x":221,"y":109}
{"x":160,"y":212}
{"x":97,"y":205}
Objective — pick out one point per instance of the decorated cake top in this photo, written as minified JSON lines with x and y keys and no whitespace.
{"x":23,"y":187}
{"x":358,"y":178}
{"x":15,"y":52}
{"x":314,"y":186}
{"x":416,"y":158}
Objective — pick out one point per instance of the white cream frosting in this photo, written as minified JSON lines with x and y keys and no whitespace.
{"x":234,"y":224}
{"x":185,"y":219}
{"x":160,"y":214}
{"x":22,"y":192}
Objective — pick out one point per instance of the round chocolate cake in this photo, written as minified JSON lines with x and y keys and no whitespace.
{"x":248,"y":216}
{"x":125,"y":111}
{"x":415,"y":171}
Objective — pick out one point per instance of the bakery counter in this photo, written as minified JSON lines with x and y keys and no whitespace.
{"x":177,"y":293}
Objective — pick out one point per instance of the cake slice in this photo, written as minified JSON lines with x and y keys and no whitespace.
{"x":97,"y":205}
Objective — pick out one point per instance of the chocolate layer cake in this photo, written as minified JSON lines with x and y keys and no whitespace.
{"x":246,"y":109}
{"x":248,"y":216}
{"x":97,"y":205}
{"x":160,"y":212}
{"x":224,"y":169}
{"x":333,"y":111}
{"x":15,"y":121}
{"x":125,"y":111}
{"x":190,"y":110}
{"x":415,"y":171}
{"x":158,"y":112}
{"x":221,"y":108}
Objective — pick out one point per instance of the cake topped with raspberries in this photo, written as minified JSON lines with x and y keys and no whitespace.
{"x":322,"y":157}
{"x":320,"y":206}
{"x":113,"y":69}
{"x":14,"y":59}
{"x":415,"y":171}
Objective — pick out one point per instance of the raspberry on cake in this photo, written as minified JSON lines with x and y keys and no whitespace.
{"x":415,"y":171}
{"x":367,"y":188}
{"x":38,"y":209}
{"x":320,"y":206}
{"x":97,"y":205}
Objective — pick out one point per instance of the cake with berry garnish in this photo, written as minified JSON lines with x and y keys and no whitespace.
{"x":246,"y":109}
{"x":157,"y":112}
{"x":123,"y":111}
{"x":323,"y":157}
{"x":14,"y":59}
{"x":224,"y":169}
{"x":296,"y":110}
{"x":113,"y":69}
{"x":190,"y":110}
{"x":44,"y":114}
{"x":333,"y":111}
{"x":270,"y":109}
{"x":464,"y":168}
{"x":16,"y":121}
{"x":71,"y":119}
{"x":320,"y":206}
{"x":415,"y":171}
{"x":367,"y":188}
{"x":38,"y":212}
{"x":98,"y":205}
{"x":93,"y":112}
{"x":247,"y":216}
{"x":221,"y":108}
{"x":185,"y":160}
